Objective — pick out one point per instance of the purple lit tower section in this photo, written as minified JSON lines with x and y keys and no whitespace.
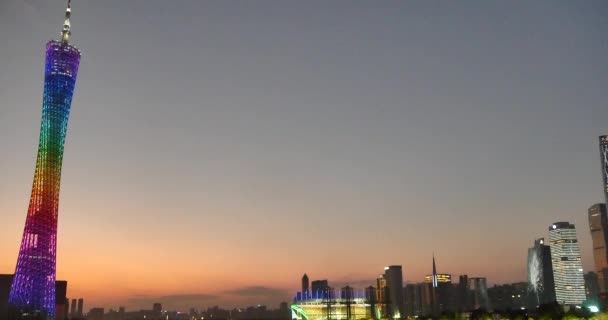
{"x":33,"y":287}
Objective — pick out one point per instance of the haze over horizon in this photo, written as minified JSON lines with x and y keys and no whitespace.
{"x":217,"y":151}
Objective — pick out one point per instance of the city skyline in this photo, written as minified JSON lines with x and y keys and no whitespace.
{"x":376,"y":130}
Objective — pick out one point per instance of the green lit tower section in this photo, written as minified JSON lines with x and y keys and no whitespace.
{"x":33,"y":287}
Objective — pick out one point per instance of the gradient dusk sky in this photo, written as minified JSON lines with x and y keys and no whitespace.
{"x":217,"y":150}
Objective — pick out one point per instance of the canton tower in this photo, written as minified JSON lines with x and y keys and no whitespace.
{"x":33,"y":285}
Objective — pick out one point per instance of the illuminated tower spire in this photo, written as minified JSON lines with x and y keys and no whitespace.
{"x":434,"y":286}
{"x":434,"y":273}
{"x":33,"y":288}
{"x":65,"y":34}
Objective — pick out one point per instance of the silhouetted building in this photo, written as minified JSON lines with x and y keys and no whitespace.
{"x":508,"y":296}
{"x":95,"y":314}
{"x":442,"y":293}
{"x":319,"y":287}
{"x":479,"y":288}
{"x":598,"y":225}
{"x":61,"y":300}
{"x":80,"y":313}
{"x":417,"y":299}
{"x":157,"y":308}
{"x":5,"y":289}
{"x":284,"y":311}
{"x":372,"y":299}
{"x":382,"y":297}
{"x":394,"y":285}
{"x":305,"y":286}
{"x":73,"y":309}
{"x":541,"y":286}
{"x":604,"y":160}
{"x":592,"y":288}
{"x":567,"y":265}
{"x":463,"y":294}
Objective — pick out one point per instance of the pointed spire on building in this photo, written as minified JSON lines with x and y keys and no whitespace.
{"x":65,"y":33}
{"x":434,"y":272}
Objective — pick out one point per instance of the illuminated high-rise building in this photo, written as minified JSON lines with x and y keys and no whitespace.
{"x":61,"y":306}
{"x":33,"y":286}
{"x":541,"y":286}
{"x":598,"y":225}
{"x":567,"y":265}
{"x":604,"y":158}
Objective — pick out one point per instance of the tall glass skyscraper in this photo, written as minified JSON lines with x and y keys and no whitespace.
{"x":567,"y":265}
{"x":541,"y":286}
{"x":598,"y":225}
{"x":33,"y":286}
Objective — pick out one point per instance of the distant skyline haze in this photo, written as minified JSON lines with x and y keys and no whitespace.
{"x":219,"y":150}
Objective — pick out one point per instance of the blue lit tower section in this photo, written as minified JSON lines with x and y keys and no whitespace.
{"x":33,"y":287}
{"x":604,"y":154}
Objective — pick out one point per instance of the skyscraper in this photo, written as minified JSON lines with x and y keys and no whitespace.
{"x":34,"y":281}
{"x":592,"y":288}
{"x":383,"y":299}
{"x":80,"y":308}
{"x":463,"y":293}
{"x":394,"y":284}
{"x":372,"y":300}
{"x":5,"y":289}
{"x":441,"y":290}
{"x":73,"y":309}
{"x":598,"y":225}
{"x":305,"y":286}
{"x":541,"y":286}
{"x":61,"y":304}
{"x":417,"y":299}
{"x":479,"y":293}
{"x":567,"y":265}
{"x":604,"y":158}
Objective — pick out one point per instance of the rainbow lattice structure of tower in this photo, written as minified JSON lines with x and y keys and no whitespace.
{"x":33,"y":285}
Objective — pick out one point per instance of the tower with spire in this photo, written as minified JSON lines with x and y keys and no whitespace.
{"x":434,"y":285}
{"x":33,"y":287}
{"x":305,"y":287}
